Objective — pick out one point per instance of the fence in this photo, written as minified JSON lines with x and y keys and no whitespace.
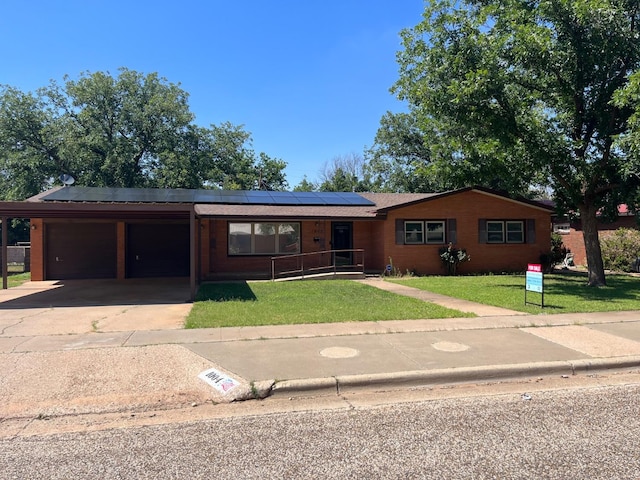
{"x":18,"y":258}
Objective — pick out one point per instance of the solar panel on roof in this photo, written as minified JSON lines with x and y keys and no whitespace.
{"x":237,"y":197}
{"x":311,"y":198}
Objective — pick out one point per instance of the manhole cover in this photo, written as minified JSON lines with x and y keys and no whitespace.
{"x":339,"y":352}
{"x":450,"y":346}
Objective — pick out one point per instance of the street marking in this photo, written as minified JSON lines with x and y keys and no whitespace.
{"x":450,"y":347}
{"x":339,"y":352}
{"x":218,"y":380}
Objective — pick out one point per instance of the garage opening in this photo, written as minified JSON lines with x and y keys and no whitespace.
{"x":80,"y":250}
{"x":157,"y":250}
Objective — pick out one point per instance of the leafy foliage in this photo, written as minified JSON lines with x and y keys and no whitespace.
{"x":132,"y":130}
{"x":556,"y":254}
{"x":513,"y":94}
{"x":452,"y":257}
{"x":621,"y":250}
{"x":399,"y":160}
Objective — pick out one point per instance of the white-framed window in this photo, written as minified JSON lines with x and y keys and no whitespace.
{"x":413,"y":232}
{"x":515,"y":231}
{"x":263,"y":238}
{"x":418,"y":232}
{"x":505,"y":231}
{"x":435,"y":231}
{"x":495,"y":231}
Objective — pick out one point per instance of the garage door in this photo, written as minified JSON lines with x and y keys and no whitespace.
{"x":80,"y":250}
{"x":157,"y":250}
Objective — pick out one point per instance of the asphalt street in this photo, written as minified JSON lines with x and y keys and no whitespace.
{"x":571,"y":433}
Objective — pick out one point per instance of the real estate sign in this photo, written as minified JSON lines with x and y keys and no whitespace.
{"x":534,"y":281}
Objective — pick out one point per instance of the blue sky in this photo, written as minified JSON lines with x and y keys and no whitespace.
{"x":309,"y":79}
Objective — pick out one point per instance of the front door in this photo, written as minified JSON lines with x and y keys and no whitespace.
{"x":342,"y":239}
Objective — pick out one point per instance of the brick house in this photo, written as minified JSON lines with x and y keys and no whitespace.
{"x":84,"y":232}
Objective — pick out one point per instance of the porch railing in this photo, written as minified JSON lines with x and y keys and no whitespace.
{"x":313,"y":263}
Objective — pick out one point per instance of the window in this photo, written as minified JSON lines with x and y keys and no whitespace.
{"x":263,"y":238}
{"x":495,"y":232}
{"x":515,"y":231}
{"x":420,"y":232}
{"x":435,"y":232}
{"x":505,"y":231}
{"x":413,"y":232}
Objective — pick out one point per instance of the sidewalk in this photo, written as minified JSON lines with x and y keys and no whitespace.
{"x":137,"y":368}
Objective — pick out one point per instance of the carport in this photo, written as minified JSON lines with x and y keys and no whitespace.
{"x":107,"y":240}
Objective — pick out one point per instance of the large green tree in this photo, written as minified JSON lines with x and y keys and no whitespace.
{"x":131,"y":130}
{"x":523,"y":89}
{"x":400,"y":158}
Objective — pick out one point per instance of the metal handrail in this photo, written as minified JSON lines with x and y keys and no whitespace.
{"x":357,"y":264}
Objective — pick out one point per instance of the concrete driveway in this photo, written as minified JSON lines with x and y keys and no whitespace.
{"x":82,"y":306}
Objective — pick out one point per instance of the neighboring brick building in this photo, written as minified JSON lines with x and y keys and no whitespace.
{"x":80,"y":232}
{"x":572,"y":237}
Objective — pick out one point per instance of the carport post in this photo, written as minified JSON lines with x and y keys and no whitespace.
{"x":192,"y":251}
{"x":5,"y":269}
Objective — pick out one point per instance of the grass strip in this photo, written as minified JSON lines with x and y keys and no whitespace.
{"x":227,"y":304}
{"x":17,"y":279}
{"x":562,"y":293}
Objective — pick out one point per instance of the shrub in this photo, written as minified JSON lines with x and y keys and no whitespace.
{"x":621,"y":249}
{"x":451,"y":257}
{"x":556,"y":255}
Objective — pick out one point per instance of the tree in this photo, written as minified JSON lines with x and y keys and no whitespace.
{"x":523,"y":90}
{"x":234,"y":164}
{"x":133,"y":130}
{"x":345,"y":173}
{"x":305,"y":186}
{"x":399,"y":160}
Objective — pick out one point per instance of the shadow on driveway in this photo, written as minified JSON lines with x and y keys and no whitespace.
{"x":85,"y":293}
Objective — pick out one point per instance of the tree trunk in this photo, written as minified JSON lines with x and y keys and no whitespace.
{"x":589,"y":219}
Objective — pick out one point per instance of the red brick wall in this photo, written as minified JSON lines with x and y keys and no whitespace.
{"x":315,"y":237}
{"x":377,"y":238}
{"x":37,"y":250}
{"x":467,"y":208}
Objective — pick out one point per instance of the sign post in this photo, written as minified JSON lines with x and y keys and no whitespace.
{"x":534,"y":281}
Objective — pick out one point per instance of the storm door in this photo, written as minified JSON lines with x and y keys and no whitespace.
{"x":342,"y":239}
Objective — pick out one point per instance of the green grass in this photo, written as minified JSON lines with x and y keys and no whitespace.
{"x":562,"y":293}
{"x":277,"y":303}
{"x":17,"y":279}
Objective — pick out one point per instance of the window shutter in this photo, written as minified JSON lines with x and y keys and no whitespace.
{"x":531,"y":230}
{"x":482,"y":230}
{"x":452,"y":234}
{"x":399,"y":231}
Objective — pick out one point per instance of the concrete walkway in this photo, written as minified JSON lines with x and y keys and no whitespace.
{"x":99,"y":367}
{"x":455,"y":303}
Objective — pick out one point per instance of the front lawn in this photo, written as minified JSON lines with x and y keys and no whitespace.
{"x":17,"y":279}
{"x":562,"y":293}
{"x":229,"y":304}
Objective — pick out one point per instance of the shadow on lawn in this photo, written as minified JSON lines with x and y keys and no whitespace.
{"x":226,"y":292}
{"x":618,"y":288}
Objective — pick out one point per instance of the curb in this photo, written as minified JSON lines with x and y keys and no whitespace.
{"x":421,"y":378}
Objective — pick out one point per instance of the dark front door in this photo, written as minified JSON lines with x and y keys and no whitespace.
{"x":158,"y":250}
{"x":342,"y":239}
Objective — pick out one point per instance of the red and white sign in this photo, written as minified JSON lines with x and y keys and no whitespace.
{"x":534,"y":267}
